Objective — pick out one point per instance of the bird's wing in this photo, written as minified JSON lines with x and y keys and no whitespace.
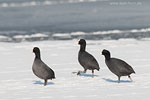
{"x":48,"y":70}
{"x":42,"y":70}
{"x":91,"y":61}
{"x":122,"y":66}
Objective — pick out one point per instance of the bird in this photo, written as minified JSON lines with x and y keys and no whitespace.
{"x":86,"y":60}
{"x":117,"y":66}
{"x":40,"y":69}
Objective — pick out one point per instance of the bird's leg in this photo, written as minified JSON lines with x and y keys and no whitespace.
{"x":45,"y":82}
{"x":118,"y":79}
{"x":79,"y":72}
{"x":84,"y":71}
{"x":130,"y":78}
{"x":92,"y":73}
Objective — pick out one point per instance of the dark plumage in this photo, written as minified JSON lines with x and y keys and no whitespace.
{"x":86,"y":60}
{"x":40,"y":69}
{"x":117,"y":66}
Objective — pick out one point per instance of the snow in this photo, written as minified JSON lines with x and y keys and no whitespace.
{"x":61,"y":36}
{"x":17,"y":81}
{"x":140,"y":30}
{"x":4,"y":38}
{"x":78,"y":33}
{"x":108,"y":32}
{"x":39,"y":35}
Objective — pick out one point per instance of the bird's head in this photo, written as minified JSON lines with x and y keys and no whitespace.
{"x":36,"y":50}
{"x":106,"y":53}
{"x":82,"y":42}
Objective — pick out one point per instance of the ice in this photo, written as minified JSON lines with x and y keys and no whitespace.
{"x":17,"y":81}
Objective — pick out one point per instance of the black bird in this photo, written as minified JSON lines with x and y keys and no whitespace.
{"x":40,"y":69}
{"x":117,"y":66}
{"x":86,"y":60}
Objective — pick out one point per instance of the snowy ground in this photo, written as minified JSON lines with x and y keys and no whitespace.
{"x":17,"y":82}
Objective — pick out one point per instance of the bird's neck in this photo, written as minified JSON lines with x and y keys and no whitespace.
{"x":82,"y":47}
{"x":38,"y":56}
{"x":107,"y":57}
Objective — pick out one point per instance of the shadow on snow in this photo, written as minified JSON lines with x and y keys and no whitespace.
{"x":116,"y":81}
{"x":87,"y":75}
{"x":42,"y":83}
